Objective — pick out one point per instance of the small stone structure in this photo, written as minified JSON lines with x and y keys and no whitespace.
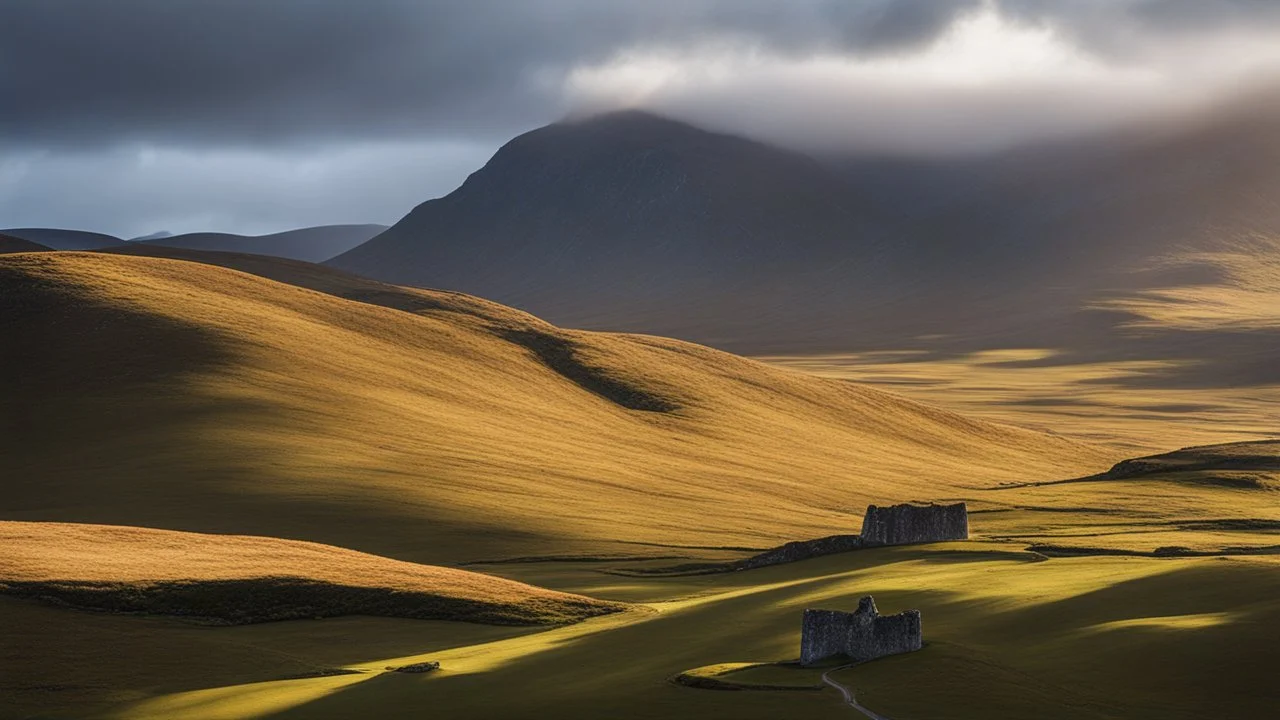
{"x":906,"y":524}
{"x":421,"y":667}
{"x":861,"y":635}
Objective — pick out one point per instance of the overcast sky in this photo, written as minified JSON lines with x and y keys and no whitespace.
{"x":133,"y":116}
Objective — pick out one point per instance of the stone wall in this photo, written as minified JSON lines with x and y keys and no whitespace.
{"x":906,"y":524}
{"x":800,"y":550}
{"x":860,"y":635}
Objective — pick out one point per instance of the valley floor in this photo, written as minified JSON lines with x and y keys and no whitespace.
{"x":1009,"y":634}
{"x":1124,"y":404}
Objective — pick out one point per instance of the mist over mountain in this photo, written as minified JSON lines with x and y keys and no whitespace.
{"x":158,"y":235}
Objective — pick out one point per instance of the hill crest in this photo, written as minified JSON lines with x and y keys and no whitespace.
{"x":404,"y":422}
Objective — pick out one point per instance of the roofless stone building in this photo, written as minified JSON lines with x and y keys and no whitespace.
{"x":861,"y":635}
{"x":907,"y":524}
{"x":865,"y":634}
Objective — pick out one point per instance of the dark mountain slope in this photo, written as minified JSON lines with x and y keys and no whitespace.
{"x":632,"y":222}
{"x":1059,"y":246}
{"x":626,"y":218}
{"x":312,"y":244}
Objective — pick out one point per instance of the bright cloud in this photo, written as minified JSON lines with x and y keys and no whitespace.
{"x":986,"y":83}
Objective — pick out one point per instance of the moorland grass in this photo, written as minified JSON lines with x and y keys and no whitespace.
{"x":220,"y":401}
{"x":235,"y":579}
{"x":1132,"y":638}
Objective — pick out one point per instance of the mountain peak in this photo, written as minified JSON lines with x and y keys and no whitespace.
{"x":625,"y":212}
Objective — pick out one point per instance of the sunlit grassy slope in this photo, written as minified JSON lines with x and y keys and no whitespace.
{"x":437,"y":427}
{"x":1217,"y":498}
{"x":238,"y":579}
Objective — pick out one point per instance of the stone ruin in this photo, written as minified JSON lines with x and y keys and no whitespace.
{"x":906,"y":524}
{"x":861,"y":635}
{"x":893,"y":525}
{"x":864,"y":634}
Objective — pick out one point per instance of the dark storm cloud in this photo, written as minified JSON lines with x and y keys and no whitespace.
{"x":130,"y":116}
{"x":255,"y":71}
{"x":89,"y":71}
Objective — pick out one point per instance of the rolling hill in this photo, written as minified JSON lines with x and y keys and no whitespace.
{"x":229,"y":579}
{"x":11,"y":244}
{"x":313,"y":244}
{"x":437,"y":427}
{"x":59,"y":239}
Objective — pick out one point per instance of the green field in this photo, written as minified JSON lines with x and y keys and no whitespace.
{"x":1008,"y":635}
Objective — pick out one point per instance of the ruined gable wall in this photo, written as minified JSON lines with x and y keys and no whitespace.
{"x":906,"y":524}
{"x":861,"y":635}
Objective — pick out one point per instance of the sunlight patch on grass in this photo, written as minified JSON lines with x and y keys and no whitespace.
{"x":1100,"y":402}
{"x":1000,"y":583}
{"x":486,"y":657}
{"x":1169,"y":622}
{"x":254,"y":700}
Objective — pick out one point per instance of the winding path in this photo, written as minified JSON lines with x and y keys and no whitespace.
{"x":849,"y":698}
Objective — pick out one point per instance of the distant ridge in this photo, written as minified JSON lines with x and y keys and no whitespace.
{"x":312,"y":244}
{"x":59,"y":239}
{"x":11,"y":244}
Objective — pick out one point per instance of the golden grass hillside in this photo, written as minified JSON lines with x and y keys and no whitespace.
{"x":241,"y":579}
{"x":1215,"y":499}
{"x":433,"y":426}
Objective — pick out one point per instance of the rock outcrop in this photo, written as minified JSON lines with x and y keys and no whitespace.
{"x":907,"y":524}
{"x":861,"y":635}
